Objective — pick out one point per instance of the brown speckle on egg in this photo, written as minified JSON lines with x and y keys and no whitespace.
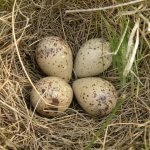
{"x":55,"y":103}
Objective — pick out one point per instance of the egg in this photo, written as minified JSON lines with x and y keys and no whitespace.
{"x":54,"y":56}
{"x":93,"y":58}
{"x":53,"y":96}
{"x":95,"y":95}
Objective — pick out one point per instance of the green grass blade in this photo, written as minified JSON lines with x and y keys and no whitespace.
{"x":106,"y":123}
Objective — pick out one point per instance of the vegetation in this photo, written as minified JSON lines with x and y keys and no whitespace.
{"x":125,"y":24}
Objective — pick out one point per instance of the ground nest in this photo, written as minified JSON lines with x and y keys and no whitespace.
{"x":22,"y":24}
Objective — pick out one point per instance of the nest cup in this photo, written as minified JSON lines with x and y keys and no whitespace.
{"x":23,"y":25}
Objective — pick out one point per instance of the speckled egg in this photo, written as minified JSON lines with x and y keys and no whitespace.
{"x":54,"y":57}
{"x":93,"y":58}
{"x":54,"y":97}
{"x":95,"y":95}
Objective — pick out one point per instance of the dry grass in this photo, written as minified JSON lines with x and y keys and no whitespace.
{"x":20,"y":30}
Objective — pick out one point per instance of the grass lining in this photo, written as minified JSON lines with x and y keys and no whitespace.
{"x":73,"y":129}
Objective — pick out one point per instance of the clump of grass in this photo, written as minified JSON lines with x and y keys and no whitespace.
{"x":119,"y":42}
{"x":6,"y":5}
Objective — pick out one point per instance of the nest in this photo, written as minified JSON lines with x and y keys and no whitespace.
{"x":23,"y":24}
